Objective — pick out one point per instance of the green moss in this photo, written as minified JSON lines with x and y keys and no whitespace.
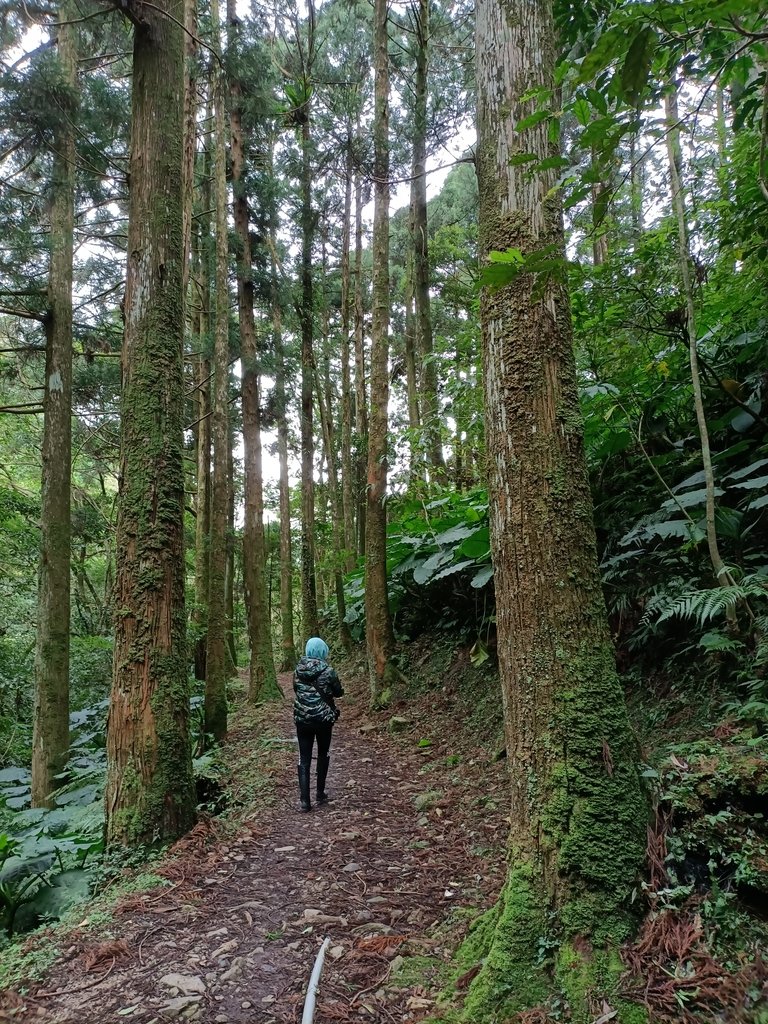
{"x":508,"y":940}
{"x":592,"y":976}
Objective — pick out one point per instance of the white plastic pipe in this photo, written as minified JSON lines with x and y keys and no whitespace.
{"x":314,"y":984}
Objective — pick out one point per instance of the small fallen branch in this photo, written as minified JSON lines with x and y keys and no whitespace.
{"x":314,"y":983}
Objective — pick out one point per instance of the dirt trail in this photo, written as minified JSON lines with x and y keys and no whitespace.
{"x":234,"y":939}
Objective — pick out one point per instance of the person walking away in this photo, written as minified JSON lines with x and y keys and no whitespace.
{"x":315,"y":684}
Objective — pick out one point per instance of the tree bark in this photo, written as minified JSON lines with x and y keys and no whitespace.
{"x":577,"y":816}
{"x":721,"y":571}
{"x":50,"y":740}
{"x":361,"y":401}
{"x":430,"y":410}
{"x":150,"y":791}
{"x":203,"y":426}
{"x":262,"y":680}
{"x":288,"y":647}
{"x":347,"y":484}
{"x":378,"y":624}
{"x":216,"y":652}
{"x":309,"y":622}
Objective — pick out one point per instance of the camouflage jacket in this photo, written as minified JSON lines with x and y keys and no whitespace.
{"x":315,"y":684}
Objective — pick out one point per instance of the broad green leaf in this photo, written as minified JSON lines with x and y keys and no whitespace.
{"x":582,"y":110}
{"x":482,"y":577}
{"x":532,"y":120}
{"x":457,"y":567}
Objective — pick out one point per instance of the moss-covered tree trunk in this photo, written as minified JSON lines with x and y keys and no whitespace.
{"x":216,"y":651}
{"x":378,"y":624}
{"x":262,"y":680}
{"x":50,"y":739}
{"x":578,"y":816}
{"x":150,"y":791}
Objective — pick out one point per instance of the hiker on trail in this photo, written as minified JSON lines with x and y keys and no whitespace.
{"x":315,"y":684}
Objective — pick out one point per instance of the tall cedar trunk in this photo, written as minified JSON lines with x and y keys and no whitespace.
{"x":578,"y":816}
{"x":415,"y":459}
{"x":721,"y":571}
{"x":216,"y":652}
{"x":309,"y":623}
{"x":150,"y":792}
{"x":204,"y":445}
{"x":347,"y":484}
{"x":325,"y":404}
{"x":203,"y":500}
{"x":378,"y":624}
{"x":190,"y":131}
{"x":50,"y":741}
{"x":229,"y":586}
{"x":430,"y":412}
{"x":262,"y":681}
{"x":288,"y":648}
{"x":361,"y":402}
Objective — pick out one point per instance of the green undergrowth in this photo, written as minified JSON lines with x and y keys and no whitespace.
{"x":239,"y":775}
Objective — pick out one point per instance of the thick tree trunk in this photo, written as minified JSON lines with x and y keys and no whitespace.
{"x":430,"y":412}
{"x":347,"y":483}
{"x":361,"y":402}
{"x":262,"y":681}
{"x":150,"y":791}
{"x":216,"y":652}
{"x":50,"y":740}
{"x":578,"y":816}
{"x":288,"y":648}
{"x":378,"y":624}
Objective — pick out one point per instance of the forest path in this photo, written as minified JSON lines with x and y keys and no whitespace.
{"x":234,"y":938}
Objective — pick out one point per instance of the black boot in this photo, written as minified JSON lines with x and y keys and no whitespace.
{"x":322,"y":774}
{"x":304,"y":787}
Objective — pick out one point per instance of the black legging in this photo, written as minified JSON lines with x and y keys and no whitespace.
{"x":307,"y":735}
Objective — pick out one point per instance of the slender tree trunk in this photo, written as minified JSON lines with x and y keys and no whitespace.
{"x":577,"y":816}
{"x":722,"y":574}
{"x":430,"y":411}
{"x":229,"y":585}
{"x":203,"y":500}
{"x":204,"y":263}
{"x":378,"y":624}
{"x":599,"y":234}
{"x":150,"y":791}
{"x":50,"y":740}
{"x":309,"y":623}
{"x":361,"y":402}
{"x":288,"y":648}
{"x":636,"y":176}
{"x":216,"y":653}
{"x":190,"y":129}
{"x":337,"y":524}
{"x":347,"y":484}
{"x":416,"y":459}
{"x":262,"y":681}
